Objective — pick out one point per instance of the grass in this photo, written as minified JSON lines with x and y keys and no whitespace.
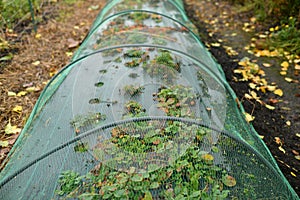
{"x":14,"y":11}
{"x":275,"y":12}
{"x":269,"y":10}
{"x":287,"y":37}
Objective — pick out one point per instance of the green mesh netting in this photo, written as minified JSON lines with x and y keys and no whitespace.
{"x":142,"y":112}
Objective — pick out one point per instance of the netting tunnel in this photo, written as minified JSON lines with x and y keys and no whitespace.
{"x":142,"y":112}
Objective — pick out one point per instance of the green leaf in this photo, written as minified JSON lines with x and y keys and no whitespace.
{"x":137,"y":178}
{"x":99,"y":84}
{"x":111,"y":188}
{"x":107,"y":196}
{"x":145,"y":175}
{"x":154,"y":185}
{"x":123,"y":180}
{"x":131,"y":170}
{"x":120,"y":193}
{"x":6,"y":58}
{"x":88,"y":196}
{"x":153,"y":167}
{"x":148,"y":195}
{"x":4,"y":143}
{"x":215,"y":149}
{"x":229,"y":180}
{"x":195,"y":194}
{"x":171,"y":101}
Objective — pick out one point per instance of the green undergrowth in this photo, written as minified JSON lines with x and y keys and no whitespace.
{"x":287,"y":36}
{"x":281,"y":13}
{"x":14,"y":11}
{"x":274,"y":10}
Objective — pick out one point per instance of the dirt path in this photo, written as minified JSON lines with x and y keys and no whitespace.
{"x":40,"y":55}
{"x":225,"y":33}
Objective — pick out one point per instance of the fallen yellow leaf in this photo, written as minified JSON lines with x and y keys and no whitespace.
{"x":283,"y":73}
{"x":32,"y":89}
{"x":261,"y":136}
{"x":253,"y":19}
{"x":264,"y":81}
{"x":288,"y":123}
{"x":229,"y":181}
{"x":36,"y":63}
{"x":18,"y":109}
{"x":69,"y":54}
{"x":278,"y":92}
{"x":278,"y":140}
{"x":9,"y":129}
{"x":270,"y":107}
{"x":11,"y":94}
{"x":288,"y":79}
{"x":271,"y":88}
{"x":281,"y":149}
{"x":51,"y":74}
{"x":262,"y":36}
{"x":248,"y":96}
{"x":249,"y":117}
{"x":252,"y":85}
{"x":38,"y":36}
{"x":266,"y":64}
{"x":207,"y":157}
{"x":4,"y":143}
{"x":215,"y":44}
{"x":284,"y":64}
{"x":22,"y":93}
{"x":297,"y":61}
{"x":274,"y":53}
{"x":237,"y":71}
{"x":263,"y":89}
{"x":254,"y":95}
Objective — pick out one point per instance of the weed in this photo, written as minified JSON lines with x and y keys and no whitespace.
{"x":133,"y":90}
{"x":134,"y":53}
{"x":70,"y":2}
{"x":134,"y":107}
{"x":139,"y":17}
{"x":193,"y":175}
{"x":81,"y":147}
{"x":82,"y":121}
{"x":176,"y":101}
{"x":15,"y":10}
{"x":274,"y":10}
{"x":287,"y":38}
{"x":133,"y":63}
{"x":69,"y":181}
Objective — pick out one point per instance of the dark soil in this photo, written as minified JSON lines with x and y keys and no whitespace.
{"x":268,"y":123}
